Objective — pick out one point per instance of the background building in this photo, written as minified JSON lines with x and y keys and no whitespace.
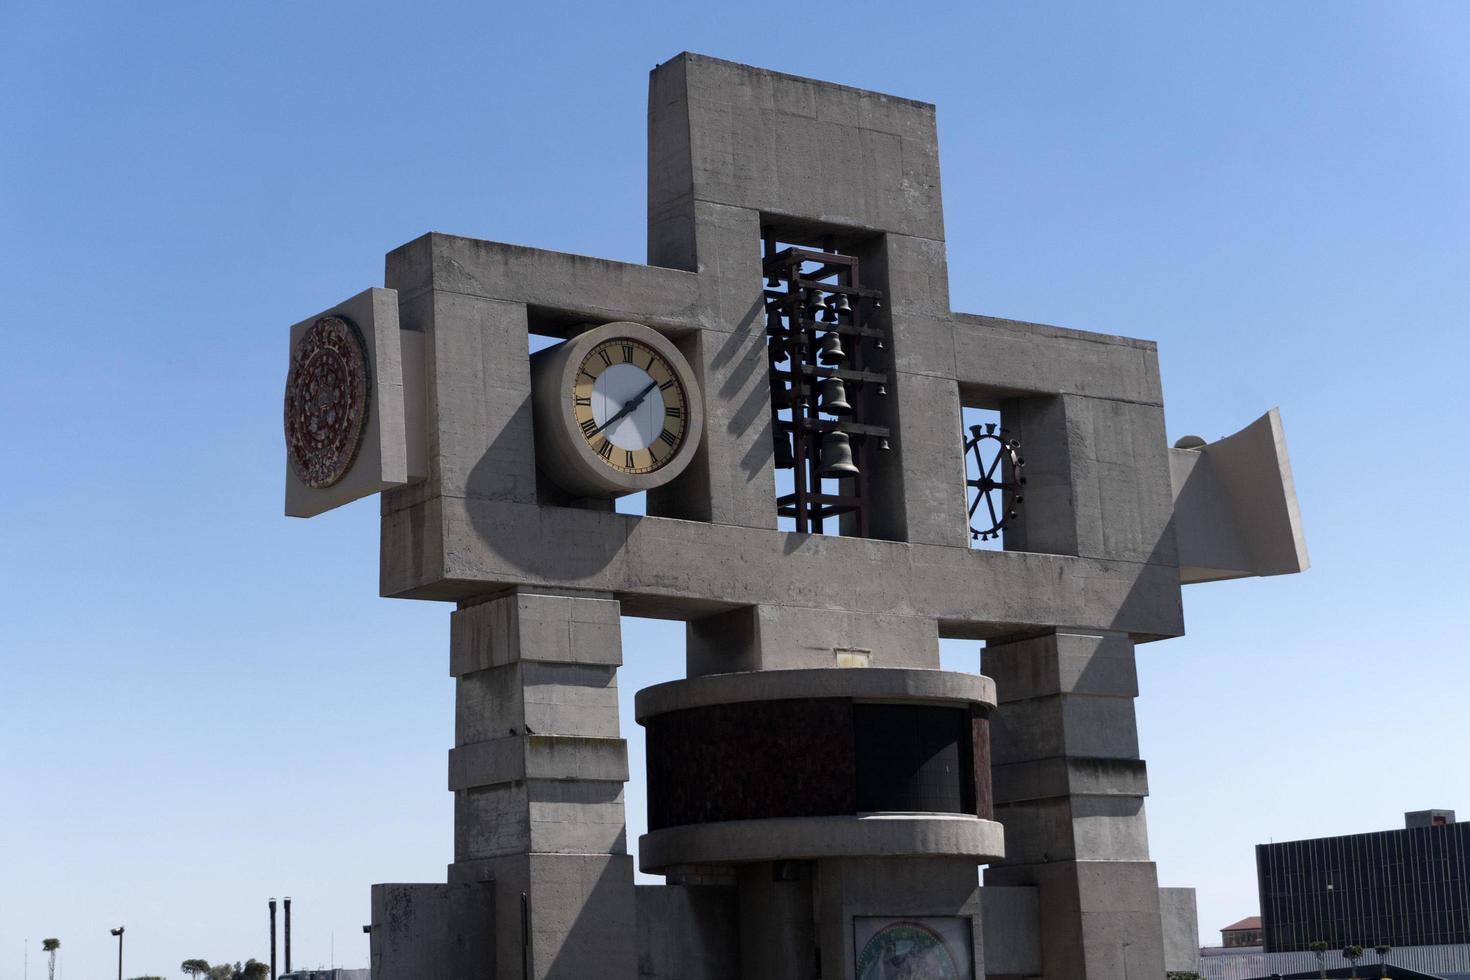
{"x":1408,"y":887}
{"x":1246,"y":932}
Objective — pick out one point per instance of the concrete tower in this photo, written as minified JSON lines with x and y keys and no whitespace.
{"x":822,"y":795}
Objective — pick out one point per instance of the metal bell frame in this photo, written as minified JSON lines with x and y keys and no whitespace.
{"x":828,"y":373}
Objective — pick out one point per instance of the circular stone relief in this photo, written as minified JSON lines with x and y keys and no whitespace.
{"x":326,"y":401}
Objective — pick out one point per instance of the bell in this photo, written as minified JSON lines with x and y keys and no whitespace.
{"x":780,"y":394}
{"x":883,"y":445}
{"x":834,"y":397}
{"x":778,"y":349}
{"x":837,"y":461}
{"x":784,"y":459}
{"x":830,"y":351}
{"x":773,"y":320}
{"x":842,"y":305}
{"x":815,"y":300}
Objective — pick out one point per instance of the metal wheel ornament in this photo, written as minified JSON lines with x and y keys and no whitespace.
{"x":994,"y":479}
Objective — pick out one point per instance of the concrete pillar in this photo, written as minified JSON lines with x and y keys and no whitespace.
{"x":537,"y":773}
{"x":1069,"y":788}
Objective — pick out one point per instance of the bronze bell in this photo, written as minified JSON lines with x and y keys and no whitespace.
{"x":780,"y":394}
{"x":830,"y":351}
{"x":784,"y":459}
{"x":834,"y":397}
{"x":837,"y":461}
{"x":815,"y":300}
{"x":842,"y":305}
{"x":778,"y":348}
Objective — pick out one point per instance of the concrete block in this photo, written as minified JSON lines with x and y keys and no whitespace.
{"x":581,"y":914}
{"x":688,"y":932}
{"x":540,"y":816}
{"x":534,"y":627}
{"x":788,"y":146}
{"x":1012,"y":931}
{"x":420,"y":931}
{"x":996,"y":359}
{"x":1062,"y":663}
{"x":771,"y":637}
{"x":536,"y":699}
{"x":1177,"y":907}
{"x":683,"y":570}
{"x":575,"y":287}
{"x":559,"y":757}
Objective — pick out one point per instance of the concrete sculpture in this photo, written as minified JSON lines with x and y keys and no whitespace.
{"x":821,"y":794}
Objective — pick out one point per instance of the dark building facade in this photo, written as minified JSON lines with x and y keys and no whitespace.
{"x":1407,"y":887}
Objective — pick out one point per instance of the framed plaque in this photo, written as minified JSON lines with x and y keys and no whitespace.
{"x":918,"y":948}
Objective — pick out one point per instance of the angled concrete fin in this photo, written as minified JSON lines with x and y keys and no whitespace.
{"x":1235,"y":507}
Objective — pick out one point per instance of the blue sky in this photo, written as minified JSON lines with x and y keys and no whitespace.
{"x":203,"y":704}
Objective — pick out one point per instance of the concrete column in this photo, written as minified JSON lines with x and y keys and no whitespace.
{"x":1069,"y":788}
{"x":537,"y":774}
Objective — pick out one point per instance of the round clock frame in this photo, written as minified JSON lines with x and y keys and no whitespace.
{"x":567,"y":457}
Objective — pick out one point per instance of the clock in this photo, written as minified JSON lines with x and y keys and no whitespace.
{"x":617,"y":410}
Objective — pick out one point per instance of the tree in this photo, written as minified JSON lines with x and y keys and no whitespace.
{"x":255,"y":970}
{"x":222,"y":972}
{"x":1383,"y":949}
{"x":51,"y":946}
{"x":1319,"y":949}
{"x":195,"y":968}
{"x":1351,"y":953}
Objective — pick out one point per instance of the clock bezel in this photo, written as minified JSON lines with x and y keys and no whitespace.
{"x":562,"y":453}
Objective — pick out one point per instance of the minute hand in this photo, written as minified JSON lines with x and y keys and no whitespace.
{"x":627,"y":408}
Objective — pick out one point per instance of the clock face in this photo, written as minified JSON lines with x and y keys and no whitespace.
{"x":630,"y":405}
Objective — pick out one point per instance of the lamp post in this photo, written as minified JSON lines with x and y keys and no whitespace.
{"x":118,"y":932}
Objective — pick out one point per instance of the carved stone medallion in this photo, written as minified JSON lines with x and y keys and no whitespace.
{"x":327,"y":395}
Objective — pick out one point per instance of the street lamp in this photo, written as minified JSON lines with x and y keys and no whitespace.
{"x":118,"y":933}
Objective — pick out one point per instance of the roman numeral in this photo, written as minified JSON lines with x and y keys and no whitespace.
{"x":652,"y":456}
{"x":668,"y":436}
{"x":589,"y":374}
{"x":627,"y":352}
{"x":674,"y":412}
{"x":651,"y":359}
{"x":583,"y":401}
{"x":606,"y":357}
{"x":589,"y":426}
{"x":666,"y":385}
{"x":627,"y":459}
{"x":605,"y":450}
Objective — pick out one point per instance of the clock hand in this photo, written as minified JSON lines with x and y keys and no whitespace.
{"x":631,"y":406}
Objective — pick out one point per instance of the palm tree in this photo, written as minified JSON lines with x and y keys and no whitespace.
{"x":51,"y":946}
{"x":1383,"y":949}
{"x":1351,"y":952}
{"x":195,"y":968}
{"x":1320,"y":949}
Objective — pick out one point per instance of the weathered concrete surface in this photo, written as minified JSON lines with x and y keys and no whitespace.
{"x":537,"y":773}
{"x":1012,"y":927}
{"x":1180,"y":915}
{"x":420,"y":931}
{"x":683,"y":570}
{"x":1092,"y":566}
{"x":688,"y":932}
{"x":920,"y":835}
{"x":1069,"y":790}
